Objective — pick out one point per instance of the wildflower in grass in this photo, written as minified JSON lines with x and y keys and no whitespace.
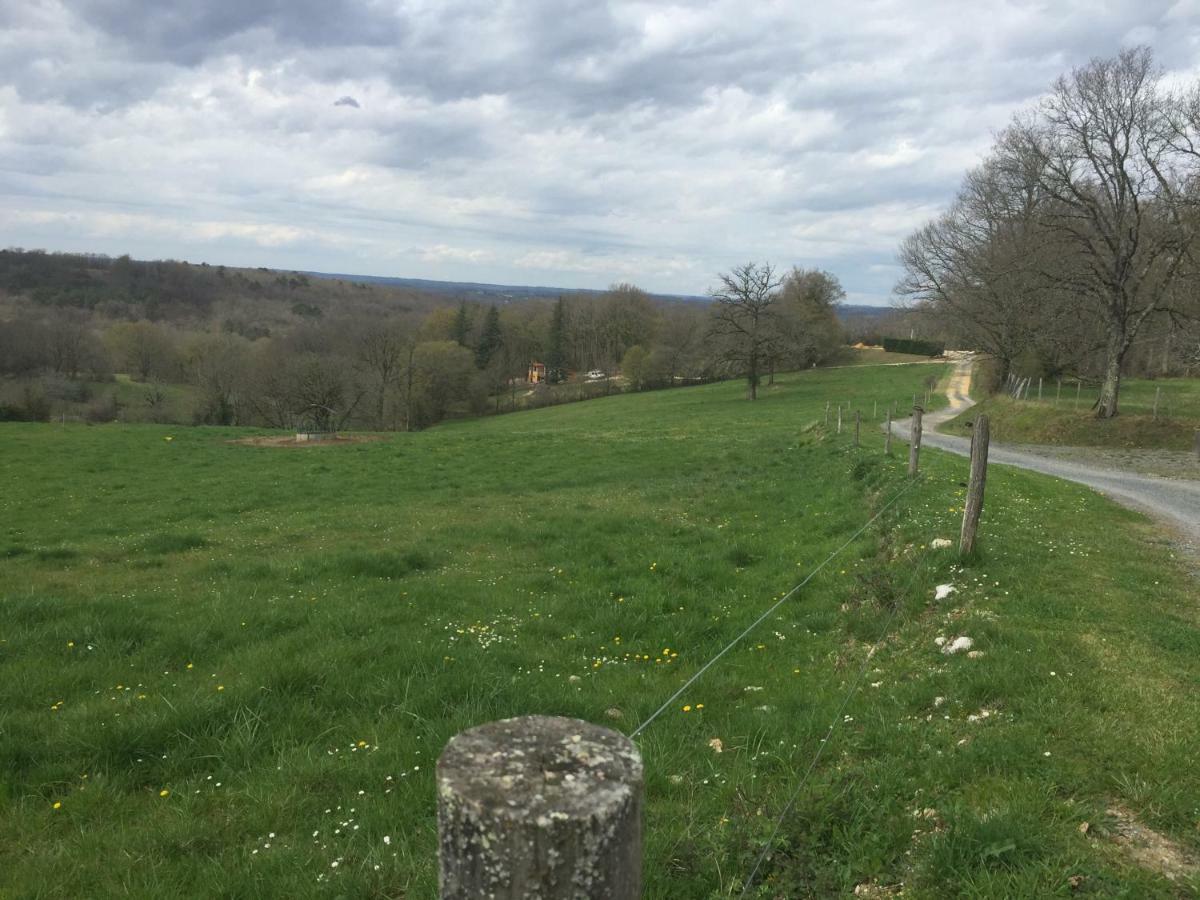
{"x":57,"y":805}
{"x":189,"y":665}
{"x":687,"y":708}
{"x":70,"y":644}
{"x":220,"y":687}
{"x":164,"y":793}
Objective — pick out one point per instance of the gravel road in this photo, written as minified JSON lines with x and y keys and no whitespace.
{"x":1174,"y":501}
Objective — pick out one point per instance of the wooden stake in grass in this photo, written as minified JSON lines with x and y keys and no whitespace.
{"x":857,"y":425}
{"x":1039,"y":389}
{"x":540,"y":806}
{"x":914,"y":443}
{"x":826,"y":413}
{"x":1157,"y":393}
{"x":887,"y":440}
{"x":1197,"y":438}
{"x":1058,"y":392}
{"x":980,"y":435}
{"x":874,"y":410}
{"x":839,"y":431}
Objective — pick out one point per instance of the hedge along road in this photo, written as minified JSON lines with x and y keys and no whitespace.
{"x":1172,"y":500}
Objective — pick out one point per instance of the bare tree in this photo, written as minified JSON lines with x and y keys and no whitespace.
{"x":1107,"y":161}
{"x":743,"y":321}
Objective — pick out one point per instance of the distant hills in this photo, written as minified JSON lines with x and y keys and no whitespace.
{"x":509,"y":293}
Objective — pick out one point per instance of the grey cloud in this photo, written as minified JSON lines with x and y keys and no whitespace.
{"x":707,"y":132}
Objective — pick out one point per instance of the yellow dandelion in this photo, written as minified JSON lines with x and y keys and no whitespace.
{"x":70,"y":643}
{"x":189,"y":665}
{"x":220,"y":687}
{"x":699,"y":706}
{"x":687,"y":708}
{"x":164,"y":793}
{"x":57,"y":805}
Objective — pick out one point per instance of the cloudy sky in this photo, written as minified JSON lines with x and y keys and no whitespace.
{"x":533,"y":142}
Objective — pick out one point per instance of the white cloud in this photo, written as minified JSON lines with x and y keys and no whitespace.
{"x":574,"y":142}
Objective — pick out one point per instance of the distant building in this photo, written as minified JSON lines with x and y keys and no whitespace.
{"x":537,"y":372}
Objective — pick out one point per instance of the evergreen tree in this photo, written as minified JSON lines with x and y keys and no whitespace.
{"x":490,"y":339}
{"x":461,"y":329}
{"x":556,"y":352}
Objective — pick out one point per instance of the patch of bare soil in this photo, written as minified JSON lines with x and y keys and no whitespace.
{"x":1149,"y":849}
{"x":288,"y":440}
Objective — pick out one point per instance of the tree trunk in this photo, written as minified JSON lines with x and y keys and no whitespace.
{"x":1110,"y":387}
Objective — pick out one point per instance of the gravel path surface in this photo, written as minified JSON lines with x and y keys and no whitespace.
{"x":1175,"y":501}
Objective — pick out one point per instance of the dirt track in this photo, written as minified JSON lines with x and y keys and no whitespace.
{"x":1175,"y":501}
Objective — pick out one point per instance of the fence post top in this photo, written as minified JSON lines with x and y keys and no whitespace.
{"x":541,"y":767}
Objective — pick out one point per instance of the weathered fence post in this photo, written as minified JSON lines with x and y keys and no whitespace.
{"x":857,"y":425}
{"x":826,"y":413}
{"x":1157,"y":392}
{"x":887,"y":440}
{"x":1039,"y":389}
{"x":874,"y":410}
{"x":540,"y":806}
{"x":1058,"y":392}
{"x":839,"y":431}
{"x":914,"y":442}
{"x":1198,"y":445}
{"x":1078,"y":387}
{"x":980,"y":435}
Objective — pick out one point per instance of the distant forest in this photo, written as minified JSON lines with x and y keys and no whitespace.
{"x":107,"y":339}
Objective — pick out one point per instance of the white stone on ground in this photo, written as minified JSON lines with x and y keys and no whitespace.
{"x":942,"y":591}
{"x":958,"y":645}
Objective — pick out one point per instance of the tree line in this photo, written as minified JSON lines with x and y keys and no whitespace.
{"x":1073,"y":246}
{"x":283,"y":350}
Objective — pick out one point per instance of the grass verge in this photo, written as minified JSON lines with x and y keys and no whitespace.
{"x":225,"y":669}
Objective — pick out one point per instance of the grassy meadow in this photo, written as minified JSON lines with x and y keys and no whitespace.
{"x":1061,"y":420}
{"x":228,"y":670}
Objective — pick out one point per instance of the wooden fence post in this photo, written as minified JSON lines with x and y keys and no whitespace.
{"x":839,"y":431}
{"x":874,"y":410}
{"x":540,"y":806}
{"x":1198,"y":445}
{"x":826,"y":413}
{"x":1039,"y":389}
{"x":980,"y":435}
{"x":1078,"y":387}
{"x":857,"y":425}
{"x":1157,"y":392}
{"x":1058,"y":392}
{"x":914,"y":442}
{"x":887,"y":440}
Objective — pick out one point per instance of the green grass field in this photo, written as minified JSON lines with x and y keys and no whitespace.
{"x":228,"y":670}
{"x":1061,"y":420}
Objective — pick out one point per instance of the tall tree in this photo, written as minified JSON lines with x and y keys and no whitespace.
{"x":461,"y":329}
{"x":743,"y":320}
{"x":556,"y":344}
{"x":1104,"y":152}
{"x":490,"y":338}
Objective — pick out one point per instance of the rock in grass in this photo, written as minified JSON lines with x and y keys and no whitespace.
{"x":941,"y":543}
{"x":958,"y":645}
{"x":942,"y":591}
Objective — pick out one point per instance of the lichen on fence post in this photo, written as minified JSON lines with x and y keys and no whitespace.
{"x":914,"y":443}
{"x":980,"y":436}
{"x":540,"y":806}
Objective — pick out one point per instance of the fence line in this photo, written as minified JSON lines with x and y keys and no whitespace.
{"x":833,"y":724}
{"x":774,"y":606}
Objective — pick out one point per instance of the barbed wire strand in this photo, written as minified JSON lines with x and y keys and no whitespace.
{"x":774,"y":606}
{"x":837,"y":719}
